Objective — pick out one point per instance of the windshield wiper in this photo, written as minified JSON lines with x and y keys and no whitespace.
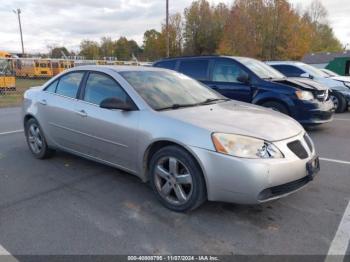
{"x":211,"y":100}
{"x":176,"y":106}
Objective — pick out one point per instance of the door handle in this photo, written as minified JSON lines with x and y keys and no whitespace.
{"x":82,"y":113}
{"x":43,"y":102}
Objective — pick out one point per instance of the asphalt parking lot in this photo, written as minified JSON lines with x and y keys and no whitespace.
{"x":68,"y":205}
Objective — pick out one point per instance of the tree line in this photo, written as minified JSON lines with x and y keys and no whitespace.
{"x":264,"y":29}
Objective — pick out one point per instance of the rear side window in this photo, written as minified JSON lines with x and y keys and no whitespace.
{"x":167,"y":64}
{"x":68,"y":85}
{"x":99,"y":87}
{"x":198,"y":69}
{"x":52,"y":87}
{"x":289,"y":70}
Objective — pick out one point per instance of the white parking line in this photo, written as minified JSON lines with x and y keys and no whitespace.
{"x":342,"y":119}
{"x":339,"y":245}
{"x":11,"y":132}
{"x":7,"y":255}
{"x":3,"y":251}
{"x":335,"y":160}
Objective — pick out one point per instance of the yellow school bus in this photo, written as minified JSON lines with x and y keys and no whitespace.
{"x":33,"y":68}
{"x":58,"y":66}
{"x":7,"y":77}
{"x":101,"y":62}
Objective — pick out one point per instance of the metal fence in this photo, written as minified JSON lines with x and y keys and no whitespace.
{"x":19,"y":74}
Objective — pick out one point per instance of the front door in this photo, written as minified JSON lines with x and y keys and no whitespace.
{"x":112,"y":134}
{"x":224,"y":79}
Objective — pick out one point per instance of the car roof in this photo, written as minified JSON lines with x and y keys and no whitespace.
{"x":201,"y":56}
{"x":296,"y":63}
{"x":117,"y":68}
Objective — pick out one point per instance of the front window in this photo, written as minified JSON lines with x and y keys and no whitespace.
{"x":5,"y":67}
{"x":227,"y":71}
{"x":163,"y":90}
{"x":261,"y":69}
{"x":99,"y":87}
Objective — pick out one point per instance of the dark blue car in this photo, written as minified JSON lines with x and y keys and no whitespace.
{"x":252,"y":81}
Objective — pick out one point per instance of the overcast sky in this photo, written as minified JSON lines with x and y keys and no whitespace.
{"x":67,"y":22}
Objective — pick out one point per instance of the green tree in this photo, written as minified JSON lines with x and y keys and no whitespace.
{"x":175,"y":34}
{"x":90,"y":49}
{"x":322,"y":37}
{"x":59,"y":52}
{"x":153,"y":45}
{"x":204,"y":25}
{"x":107,"y":47}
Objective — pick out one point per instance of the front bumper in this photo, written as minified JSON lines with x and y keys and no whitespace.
{"x":245,"y":181}
{"x":315,"y":112}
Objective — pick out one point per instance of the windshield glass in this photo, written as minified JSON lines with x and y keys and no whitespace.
{"x":161,"y":89}
{"x":5,"y":67}
{"x":329,"y":72}
{"x":313,"y":70}
{"x":261,"y":69}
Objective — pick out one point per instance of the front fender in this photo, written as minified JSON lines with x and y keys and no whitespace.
{"x":261,"y":98}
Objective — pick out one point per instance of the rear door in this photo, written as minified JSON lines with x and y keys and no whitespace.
{"x":60,"y":114}
{"x":224,"y":79}
{"x":195,"y":68}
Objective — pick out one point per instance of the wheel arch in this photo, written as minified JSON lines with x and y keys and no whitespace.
{"x":159,"y":144}
{"x":277,"y":100}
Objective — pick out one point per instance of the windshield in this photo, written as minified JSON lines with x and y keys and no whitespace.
{"x":261,"y":69}
{"x":161,"y":89}
{"x":5,"y":67}
{"x":313,"y":70}
{"x":329,"y":72}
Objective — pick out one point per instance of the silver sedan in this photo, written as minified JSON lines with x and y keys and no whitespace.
{"x":189,"y":142}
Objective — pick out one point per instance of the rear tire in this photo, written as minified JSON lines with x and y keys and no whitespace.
{"x":339,"y":102}
{"x":276,"y":106}
{"x":36,"y":140}
{"x":177,"y":179}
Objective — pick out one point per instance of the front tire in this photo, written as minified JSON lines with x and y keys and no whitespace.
{"x":36,"y":140}
{"x":177,"y":179}
{"x":339,"y":102}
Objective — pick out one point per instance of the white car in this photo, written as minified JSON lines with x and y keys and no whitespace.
{"x":340,"y":94}
{"x":335,"y":76}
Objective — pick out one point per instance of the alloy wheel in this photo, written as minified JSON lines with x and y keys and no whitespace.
{"x":173,"y":180}
{"x":35,"y":138}
{"x":335,"y":101}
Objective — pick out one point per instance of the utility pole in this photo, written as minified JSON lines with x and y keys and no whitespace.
{"x":18,"y":13}
{"x":167,"y":28}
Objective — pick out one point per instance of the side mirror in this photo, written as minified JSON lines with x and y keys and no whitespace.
{"x":115,"y":103}
{"x":243,"y":78}
{"x":307,"y":75}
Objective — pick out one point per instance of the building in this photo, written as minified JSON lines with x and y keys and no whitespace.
{"x":338,"y":62}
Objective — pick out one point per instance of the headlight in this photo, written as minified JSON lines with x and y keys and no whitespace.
{"x":347,"y":84}
{"x":245,"y":147}
{"x":304,"y":95}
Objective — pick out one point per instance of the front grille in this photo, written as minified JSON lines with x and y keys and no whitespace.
{"x":308,"y":142}
{"x":284,"y":189}
{"x":297,"y":148}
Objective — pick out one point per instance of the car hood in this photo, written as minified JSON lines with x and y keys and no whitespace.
{"x":239,"y":118}
{"x":342,"y":78}
{"x":302,"y":83}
